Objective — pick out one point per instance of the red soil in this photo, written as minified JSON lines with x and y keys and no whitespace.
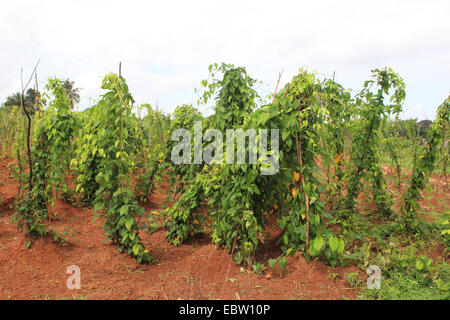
{"x":195,"y":270}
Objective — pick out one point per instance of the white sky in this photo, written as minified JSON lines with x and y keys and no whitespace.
{"x":166,"y":46}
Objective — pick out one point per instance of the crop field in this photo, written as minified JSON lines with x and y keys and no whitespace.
{"x":315,"y":191}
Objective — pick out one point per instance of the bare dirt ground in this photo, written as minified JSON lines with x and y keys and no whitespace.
{"x":195,"y":270}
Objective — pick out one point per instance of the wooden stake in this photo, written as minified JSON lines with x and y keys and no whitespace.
{"x":300,"y":160}
{"x":276,"y":88}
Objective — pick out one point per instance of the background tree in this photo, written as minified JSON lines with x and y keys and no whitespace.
{"x":13,"y":100}
{"x":30,"y":100}
{"x":72,"y":92}
{"x":423,"y":127}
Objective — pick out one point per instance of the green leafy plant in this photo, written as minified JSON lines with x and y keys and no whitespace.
{"x":364,"y":158}
{"x":114,"y":140}
{"x":152,"y":133}
{"x":424,"y":165}
{"x":238,"y":195}
{"x":49,"y":153}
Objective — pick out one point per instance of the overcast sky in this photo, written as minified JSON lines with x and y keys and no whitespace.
{"x":166,"y":46}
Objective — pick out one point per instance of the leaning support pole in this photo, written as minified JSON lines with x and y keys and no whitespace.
{"x":22,"y":105}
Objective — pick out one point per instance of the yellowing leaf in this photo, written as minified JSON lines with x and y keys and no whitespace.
{"x":296,"y":176}
{"x":294,"y":192}
{"x":338,"y":157}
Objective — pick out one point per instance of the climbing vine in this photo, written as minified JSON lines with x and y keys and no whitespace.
{"x":50,"y":154}
{"x":113,"y":140}
{"x":424,"y":165}
{"x":152,"y":131}
{"x":239,"y":197}
{"x":364,"y":157}
{"x":284,"y":162}
{"x":338,"y":110}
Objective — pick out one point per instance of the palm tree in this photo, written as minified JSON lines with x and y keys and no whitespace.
{"x":30,"y":100}
{"x":13,"y":100}
{"x":72,"y":92}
